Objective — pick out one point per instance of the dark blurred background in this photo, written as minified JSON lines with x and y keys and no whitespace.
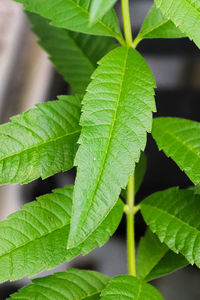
{"x":27,"y":77}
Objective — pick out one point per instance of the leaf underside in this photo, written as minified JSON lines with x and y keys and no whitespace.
{"x":180,"y":140}
{"x":129,"y":288}
{"x":40,"y":142}
{"x":73,"y":15}
{"x":185,"y":14}
{"x":174,"y":215}
{"x":73,"y":284}
{"x":156,"y":25}
{"x":74,"y":55}
{"x":99,"y":8}
{"x":35,"y":238}
{"x":155,"y":259}
{"x":117,"y":113}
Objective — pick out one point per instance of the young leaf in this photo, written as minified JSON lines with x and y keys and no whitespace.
{"x":117,"y":113}
{"x":74,"y":15}
{"x":129,"y":288}
{"x":156,"y":25}
{"x":179,"y":139}
{"x":35,"y":238}
{"x":174,"y":216}
{"x":74,"y":55}
{"x":40,"y":142}
{"x":140,"y":169}
{"x":99,"y":8}
{"x":73,"y":284}
{"x":156,"y":259}
{"x":184,"y":14}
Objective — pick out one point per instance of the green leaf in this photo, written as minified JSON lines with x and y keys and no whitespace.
{"x":185,"y":14}
{"x":155,"y":259}
{"x":174,"y":216}
{"x":40,"y":142}
{"x":73,"y":284}
{"x":99,"y":8}
{"x":179,"y":139}
{"x":117,"y":113}
{"x":35,"y":238}
{"x":129,"y":287}
{"x":140,"y":170}
{"x":74,"y":55}
{"x":156,"y":25}
{"x":102,"y":234}
{"x":74,"y":15}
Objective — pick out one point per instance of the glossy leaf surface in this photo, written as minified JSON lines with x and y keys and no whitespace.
{"x":117,"y":113}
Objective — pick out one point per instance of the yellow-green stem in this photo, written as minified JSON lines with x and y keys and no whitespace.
{"x":130,"y":225}
{"x":127,"y":22}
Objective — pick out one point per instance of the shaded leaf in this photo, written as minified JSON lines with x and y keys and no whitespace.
{"x":155,"y":259}
{"x":174,"y":216}
{"x":35,"y":238}
{"x":40,"y":142}
{"x":117,"y":113}
{"x":74,"y":54}
{"x":184,"y":14}
{"x":74,"y":15}
{"x":73,"y":284}
{"x":129,"y":287}
{"x":156,"y":25}
{"x":179,"y":139}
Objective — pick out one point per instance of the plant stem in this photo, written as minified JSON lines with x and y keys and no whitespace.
{"x":126,"y":21}
{"x":130,"y":225}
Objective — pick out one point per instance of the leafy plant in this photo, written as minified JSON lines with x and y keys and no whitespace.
{"x":101,"y":129}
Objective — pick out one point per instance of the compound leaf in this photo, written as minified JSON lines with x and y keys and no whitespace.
{"x":156,"y":25}
{"x":155,"y":259}
{"x":74,"y":55}
{"x":117,"y":113}
{"x":35,"y":238}
{"x":40,"y":142}
{"x":185,"y":14}
{"x":129,"y":288}
{"x":73,"y":284}
{"x":174,"y":216}
{"x":99,"y":8}
{"x":74,"y":15}
{"x":180,"y":140}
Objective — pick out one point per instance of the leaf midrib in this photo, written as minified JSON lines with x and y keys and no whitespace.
{"x":145,"y":32}
{"x":32,"y":241}
{"x":99,"y":21}
{"x":109,"y":139}
{"x":173,"y":217}
{"x":39,"y":144}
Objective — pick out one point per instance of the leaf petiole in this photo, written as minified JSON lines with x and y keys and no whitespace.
{"x":126,"y":21}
